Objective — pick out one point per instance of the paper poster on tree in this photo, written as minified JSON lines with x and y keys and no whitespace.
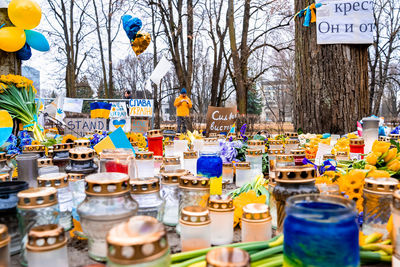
{"x":345,"y":22}
{"x":220,"y":119}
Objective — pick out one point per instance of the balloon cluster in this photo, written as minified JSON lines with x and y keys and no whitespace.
{"x":25,"y":15}
{"x":139,"y":40}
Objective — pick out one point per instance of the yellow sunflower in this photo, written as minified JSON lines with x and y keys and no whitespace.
{"x":35,"y":143}
{"x":69,"y":138}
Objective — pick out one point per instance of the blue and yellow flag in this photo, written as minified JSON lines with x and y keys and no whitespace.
{"x":233,"y":129}
{"x":116,"y":139}
{"x":100,"y":110}
{"x":6,"y":126}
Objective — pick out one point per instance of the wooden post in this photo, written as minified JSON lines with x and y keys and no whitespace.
{"x":331,"y":82}
{"x":9,"y":64}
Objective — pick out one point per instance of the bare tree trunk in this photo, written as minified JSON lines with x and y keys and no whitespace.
{"x":9,"y":64}
{"x":331,"y":83}
{"x":157,"y":103}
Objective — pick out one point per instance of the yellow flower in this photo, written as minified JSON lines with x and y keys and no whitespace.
{"x":380,"y":146}
{"x":371,"y":158}
{"x":242,"y":200}
{"x":391,"y":154}
{"x":370,"y":167}
{"x":352,"y":136}
{"x":69,"y":138}
{"x":35,"y":142}
{"x":378,"y":174}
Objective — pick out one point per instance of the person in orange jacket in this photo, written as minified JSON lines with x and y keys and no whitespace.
{"x":182,"y":104}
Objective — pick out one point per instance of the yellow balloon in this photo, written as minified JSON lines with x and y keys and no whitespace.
{"x":12,"y":39}
{"x":25,"y":14}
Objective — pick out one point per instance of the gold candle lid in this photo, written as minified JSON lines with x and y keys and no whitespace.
{"x":255,"y":143}
{"x":384,"y":138}
{"x":56,"y":180}
{"x":38,"y":197}
{"x":213,"y":135}
{"x":195,"y":216}
{"x":190,"y":155}
{"x":89,"y":133}
{"x":118,"y":153}
{"x":63,"y":147}
{"x":256,"y":212}
{"x":141,"y":239}
{"x":4,"y":177}
{"x":46,"y":238}
{"x":154,"y":133}
{"x":342,"y":154}
{"x":242,"y":165}
{"x":172,"y":177}
{"x":221,"y":136}
{"x":3,"y":156}
{"x":271,"y":180}
{"x":171,"y":160}
{"x":168,"y":142}
{"x":194,"y":182}
{"x":147,"y":186}
{"x":220,"y":204}
{"x":168,"y":127}
{"x":50,"y":153}
{"x":284,"y":158}
{"x":357,"y":142}
{"x":73,"y":177}
{"x":298,"y":152}
{"x":276,"y":151}
{"x":227,"y":165}
{"x":4,"y":237}
{"x":396,"y":199}
{"x":228,"y":257}
{"x":381,"y":185}
{"x":33,"y":149}
{"x":44,"y":162}
{"x":107,"y":184}
{"x":254,"y":152}
{"x":291,"y":135}
{"x":134,"y":143}
{"x":81,"y":143}
{"x":158,"y":158}
{"x":292,"y":142}
{"x":275,"y":142}
{"x":144,"y":155}
{"x":328,"y":156}
{"x":293,"y":174}
{"x":210,"y":141}
{"x":81,"y":154}
{"x":394,"y":136}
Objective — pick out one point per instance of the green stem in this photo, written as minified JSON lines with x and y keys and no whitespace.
{"x":276,"y":260}
{"x":266,"y":253}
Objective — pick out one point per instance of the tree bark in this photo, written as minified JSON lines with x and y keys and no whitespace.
{"x":331,"y":83}
{"x":9,"y":64}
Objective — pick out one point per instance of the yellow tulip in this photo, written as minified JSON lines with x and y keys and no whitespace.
{"x":370,"y":167}
{"x":394,"y":165}
{"x":378,"y":174}
{"x":380,"y":146}
{"x":371,"y":158}
{"x":391,"y":154}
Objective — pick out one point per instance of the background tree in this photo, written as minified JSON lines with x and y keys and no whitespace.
{"x":254,"y":102}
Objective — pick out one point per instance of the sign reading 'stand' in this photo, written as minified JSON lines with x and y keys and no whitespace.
{"x":345,"y":22}
{"x":83,"y":125}
{"x":141,"y":107}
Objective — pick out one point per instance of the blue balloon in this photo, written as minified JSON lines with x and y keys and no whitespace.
{"x":131,"y":26}
{"x":24,"y":53}
{"x":37,"y":40}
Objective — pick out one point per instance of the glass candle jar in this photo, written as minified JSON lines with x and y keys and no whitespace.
{"x":11,"y":163}
{"x":27,"y":168}
{"x":47,"y":246}
{"x":356,"y":149}
{"x":108,"y":202}
{"x":61,"y":155}
{"x":35,"y":149}
{"x":394,"y":137}
{"x":195,"y":228}
{"x":8,"y":211}
{"x":291,"y":144}
{"x":272,"y":153}
{"x":172,"y":163}
{"x":180,"y":146}
{"x":221,"y":215}
{"x":118,"y":160}
{"x":169,"y":148}
{"x":328,"y":156}
{"x":210,"y":145}
{"x":158,"y":161}
{"x":76,"y":183}
{"x":370,"y":132}
{"x":170,"y":193}
{"x":312,"y":227}
{"x":275,"y":144}
{"x":81,"y":161}
{"x":209,"y":165}
{"x":190,"y":161}
{"x":226,"y":256}
{"x":139,"y":242}
{"x":342,"y":155}
{"x":254,"y":157}
{"x":286,"y":160}
{"x":256,"y":223}
{"x":227,"y":172}
{"x":272,"y":203}
{"x":328,"y":189}
{"x":155,"y":142}
{"x":396,"y":228}
{"x":81,"y":143}
{"x":64,"y":195}
{"x":292,"y":181}
{"x":194,"y":191}
{"x":378,"y":195}
{"x":292,"y":135}
{"x":298,"y":156}
{"x":384,"y":138}
{"x":36,"y":206}
{"x":256,"y":144}
{"x":198,"y":145}
{"x":147,"y":195}
{"x":243,"y":173}
{"x":144,"y":165}
{"x":4,"y":168}
{"x":43,"y":162}
{"x":4,"y":246}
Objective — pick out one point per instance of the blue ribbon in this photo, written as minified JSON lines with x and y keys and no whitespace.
{"x":35,"y":120}
{"x":327,"y":165}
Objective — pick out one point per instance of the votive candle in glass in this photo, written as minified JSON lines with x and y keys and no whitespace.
{"x":291,"y":144}
{"x":227,"y":256}
{"x":198,"y":145}
{"x":254,"y":157}
{"x":356,"y":148}
{"x":27,"y":168}
{"x":328,"y":157}
{"x":342,"y":155}
{"x":61,"y":155}
{"x":370,"y":132}
{"x":81,"y":161}
{"x":144,"y":165}
{"x":172,"y":163}
{"x":81,"y":143}
{"x":4,"y":168}
{"x":169,"y":148}
{"x":292,"y":135}
{"x":155,"y":142}
{"x":118,"y":160}
{"x":180,"y":146}
{"x":256,"y":223}
{"x":158,"y":161}
{"x":47,"y":246}
{"x":195,"y":226}
{"x":275,"y":144}
{"x":321,"y":230}
{"x":139,"y":242}
{"x":243,"y":173}
{"x":227,"y":172}
{"x":147,"y":195}
{"x":378,"y":195}
{"x":221,"y":215}
{"x":256,"y":144}
{"x":396,"y":228}
{"x":4,"y":247}
{"x":272,"y":203}
{"x":298,"y":156}
{"x":328,"y":189}
{"x":190,"y":161}
{"x":272,"y":154}
{"x":35,"y":149}
{"x":286,"y":160}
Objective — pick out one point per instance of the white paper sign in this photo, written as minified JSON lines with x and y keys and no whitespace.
{"x":118,"y":110}
{"x":345,"y":22}
{"x":160,"y":70}
{"x":323,"y":149}
{"x":141,"y":107}
{"x":73,"y":104}
{"x":124,"y":123}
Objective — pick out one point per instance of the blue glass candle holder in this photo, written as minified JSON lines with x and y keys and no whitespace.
{"x":209,"y":165}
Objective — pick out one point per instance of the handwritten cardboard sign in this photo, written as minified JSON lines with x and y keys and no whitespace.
{"x":124,"y":123}
{"x":139,"y":126}
{"x":118,"y":110}
{"x":220,"y":119}
{"x":141,"y":107}
{"x":80,"y":126}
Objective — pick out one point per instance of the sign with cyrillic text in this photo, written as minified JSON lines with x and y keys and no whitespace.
{"x":345,"y":22}
{"x":220,"y":119}
{"x":141,"y":107}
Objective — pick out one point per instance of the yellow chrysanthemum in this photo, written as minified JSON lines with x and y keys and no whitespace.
{"x":69,"y":138}
{"x":242,"y":200}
